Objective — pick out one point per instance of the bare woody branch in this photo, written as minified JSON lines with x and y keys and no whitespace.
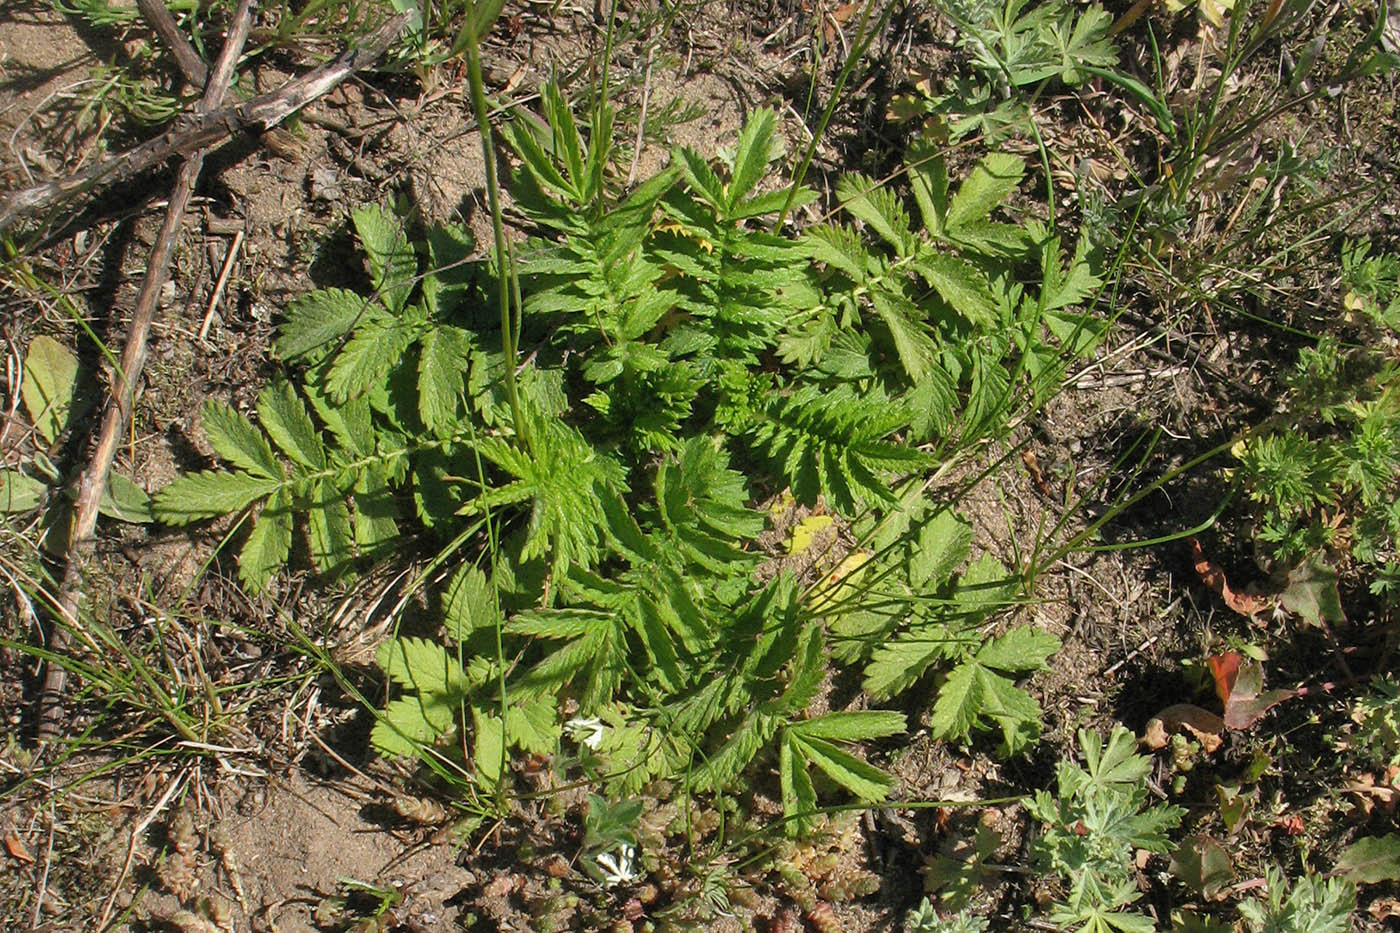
{"x":193,"y":132}
{"x":191,"y":65}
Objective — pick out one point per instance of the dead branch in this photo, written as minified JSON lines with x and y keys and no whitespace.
{"x":193,"y":132}
{"x":118,"y":413}
{"x":191,"y":65}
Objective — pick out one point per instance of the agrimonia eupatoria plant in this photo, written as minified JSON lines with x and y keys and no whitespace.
{"x":676,"y":351}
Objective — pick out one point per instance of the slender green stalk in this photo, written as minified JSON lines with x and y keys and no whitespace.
{"x":864,"y":36}
{"x":474,"y":31}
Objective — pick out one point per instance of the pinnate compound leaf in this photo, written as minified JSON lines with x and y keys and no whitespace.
{"x":701,"y":177}
{"x":896,"y":665}
{"x":985,"y":587}
{"x":470,"y":603}
{"x":412,"y":722}
{"x":860,"y":778}
{"x":912,"y":341}
{"x":1371,"y":860}
{"x":753,"y":733}
{"x":975,"y":690}
{"x":852,"y":726}
{"x":50,"y":379}
{"x":879,"y":208}
{"x":368,"y":356}
{"x":236,"y":439}
{"x":1021,"y":649}
{"x":488,"y":746}
{"x":838,"y":247}
{"x":422,"y":665}
{"x":328,"y":527}
{"x":752,"y":154}
{"x":943,"y":544}
{"x":533,"y":725}
{"x":209,"y":494}
{"x":960,"y":701}
{"x":961,"y":285}
{"x":442,"y":370}
{"x":799,"y":796}
{"x":392,"y":264}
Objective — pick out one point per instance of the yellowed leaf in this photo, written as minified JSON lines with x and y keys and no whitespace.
{"x":806,"y":532}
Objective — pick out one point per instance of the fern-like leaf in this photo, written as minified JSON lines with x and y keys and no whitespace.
{"x":833,"y":444}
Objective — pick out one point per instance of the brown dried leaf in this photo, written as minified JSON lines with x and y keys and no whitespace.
{"x":17,"y":849}
{"x":1369,"y":793}
{"x":1246,"y":604}
{"x":1206,"y":727}
{"x":837,"y":18}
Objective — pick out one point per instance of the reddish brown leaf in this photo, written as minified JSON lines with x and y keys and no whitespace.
{"x":1224,"y":668}
{"x":1205,"y":726}
{"x":1248,"y":700}
{"x":1239,"y":682}
{"x":1246,"y":604}
{"x":17,"y":849}
{"x":1291,"y":824}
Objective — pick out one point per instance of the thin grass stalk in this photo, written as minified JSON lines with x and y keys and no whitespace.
{"x":473,"y":31}
{"x":864,"y":36}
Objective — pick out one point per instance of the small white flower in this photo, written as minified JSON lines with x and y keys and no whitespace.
{"x":618,"y":869}
{"x":586,"y":731}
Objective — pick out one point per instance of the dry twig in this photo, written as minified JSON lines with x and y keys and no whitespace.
{"x":118,"y":413}
{"x":193,"y":132}
{"x":191,"y":65}
{"x":264,"y":111}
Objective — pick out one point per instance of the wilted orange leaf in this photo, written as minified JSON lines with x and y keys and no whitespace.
{"x":1245,"y":604}
{"x":17,"y":849}
{"x":1224,"y":668}
{"x":1240,"y":684}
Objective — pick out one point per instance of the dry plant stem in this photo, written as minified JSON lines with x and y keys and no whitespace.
{"x":191,"y":65}
{"x":193,"y":132}
{"x":118,"y":412}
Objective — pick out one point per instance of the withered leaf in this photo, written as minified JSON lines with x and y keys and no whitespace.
{"x":1246,"y":604}
{"x":1239,"y":682}
{"x":17,"y":849}
{"x":1206,"y":727}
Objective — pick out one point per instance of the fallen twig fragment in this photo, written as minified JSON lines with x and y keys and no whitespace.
{"x":191,"y":65}
{"x":193,"y":132}
{"x":118,"y":411}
